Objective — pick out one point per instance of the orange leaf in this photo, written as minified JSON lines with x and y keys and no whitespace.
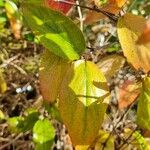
{"x":14,"y":18}
{"x":111,"y":6}
{"x":16,"y":27}
{"x":129,"y":28}
{"x":52,"y":71}
{"x":128,"y":93}
{"x":145,"y":36}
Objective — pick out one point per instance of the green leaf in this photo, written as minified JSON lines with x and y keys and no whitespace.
{"x":81,"y":101}
{"x":1,"y":3}
{"x":44,"y":146}
{"x":51,"y":74}
{"x":29,"y":37}
{"x":142,"y":143}
{"x":11,"y":10}
{"x":13,"y":124}
{"x":143,"y":111}
{"x":55,"y":31}
{"x":53,"y":111}
{"x":29,"y":121}
{"x":43,"y":131}
{"x":23,"y":124}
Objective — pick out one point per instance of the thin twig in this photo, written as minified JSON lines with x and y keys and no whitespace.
{"x":96,"y":9}
{"x":115,"y":126}
{"x":11,"y":141}
{"x":126,"y":140}
{"x":8,"y":61}
{"x":80,"y":16}
{"x":18,"y":68}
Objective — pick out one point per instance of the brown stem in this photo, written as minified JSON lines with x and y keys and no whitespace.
{"x":98,"y":10}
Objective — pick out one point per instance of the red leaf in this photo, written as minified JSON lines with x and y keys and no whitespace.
{"x":59,"y":5}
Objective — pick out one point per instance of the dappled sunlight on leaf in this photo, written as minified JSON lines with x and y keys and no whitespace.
{"x":43,"y":134}
{"x":55,"y":31}
{"x":81,"y":102}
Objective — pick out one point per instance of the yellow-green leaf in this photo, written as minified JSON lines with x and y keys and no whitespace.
{"x":2,"y":116}
{"x":81,"y":103}
{"x":137,"y":140}
{"x":3,"y":86}
{"x":107,"y":139}
{"x":51,"y":73}
{"x":130,"y":27}
{"x":143,"y":111}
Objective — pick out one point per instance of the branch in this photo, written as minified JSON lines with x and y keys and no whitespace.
{"x":96,"y":9}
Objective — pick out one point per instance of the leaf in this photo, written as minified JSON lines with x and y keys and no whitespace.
{"x":137,"y":139}
{"x":2,"y":115}
{"x":3,"y":86}
{"x":53,"y":111}
{"x":23,"y":124}
{"x":111,"y":6}
{"x":55,"y":31}
{"x":1,"y":3}
{"x":81,"y":147}
{"x":145,"y":36}
{"x":59,"y":6}
{"x":44,"y":146}
{"x":13,"y":124}
{"x":128,"y":93}
{"x":28,"y":122}
{"x":14,"y":18}
{"x":143,"y":111}
{"x":105,"y":138}
{"x":82,"y":101}
{"x":2,"y":22}
{"x":117,"y":3}
{"x":43,"y":131}
{"x":109,"y":65}
{"x":130,"y":27}
{"x":51,"y":74}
